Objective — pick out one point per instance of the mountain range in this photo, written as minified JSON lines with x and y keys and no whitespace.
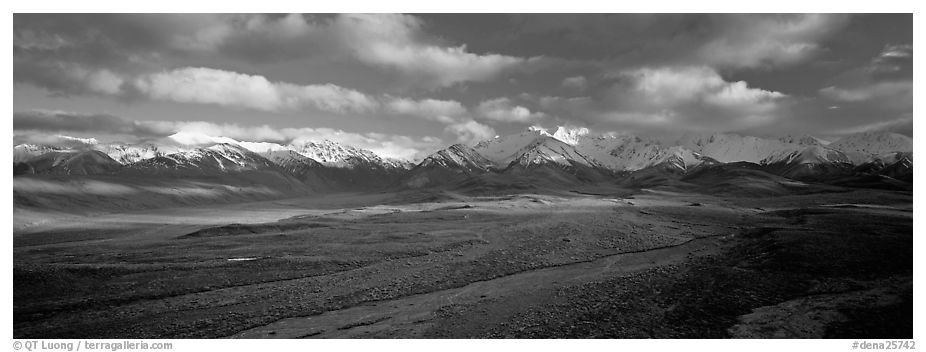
{"x":534,"y":156}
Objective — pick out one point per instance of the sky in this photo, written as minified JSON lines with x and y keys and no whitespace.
{"x":406,"y":85}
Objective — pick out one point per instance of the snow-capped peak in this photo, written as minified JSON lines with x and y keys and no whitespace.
{"x":539,"y":131}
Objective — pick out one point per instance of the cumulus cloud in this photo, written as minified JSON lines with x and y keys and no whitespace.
{"x":470,"y":132}
{"x":444,"y":111}
{"x":649,"y":70}
{"x":671,"y":87}
{"x":201,"y":85}
{"x":395,"y":41}
{"x":504,"y":110}
{"x":396,"y":45}
{"x":670,"y":99}
{"x":769,"y":40}
{"x":212,"y":86}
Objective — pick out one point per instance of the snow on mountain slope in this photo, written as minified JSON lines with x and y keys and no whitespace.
{"x":629,"y":153}
{"x":129,"y":153}
{"x":288,"y":158}
{"x":240,"y":156}
{"x":548,"y":150}
{"x":621,"y":153}
{"x":900,"y":169}
{"x":24,"y":152}
{"x":503,"y":150}
{"x":303,"y":168}
{"x":74,"y":163}
{"x":458,"y":156}
{"x":331,"y":154}
{"x":812,"y":162}
{"x":728,"y":147}
{"x":122,"y":153}
{"x":804,"y":140}
{"x":809,"y":155}
{"x":334,"y":154}
{"x":447,"y":166}
{"x":216,"y":159}
{"x":862,"y":147}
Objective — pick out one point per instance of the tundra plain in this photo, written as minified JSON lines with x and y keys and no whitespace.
{"x":601,"y":262}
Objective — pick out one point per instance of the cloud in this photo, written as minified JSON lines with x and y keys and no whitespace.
{"x":194,"y":138}
{"x":902,"y":125}
{"x":470,"y":132}
{"x":504,"y":110}
{"x":895,"y":51}
{"x":61,"y":121}
{"x":882,"y":90}
{"x":894,"y":62}
{"x":211,"y":86}
{"x":444,"y":111}
{"x":398,"y":42}
{"x":751,"y":41}
{"x":722,"y":41}
{"x":673,"y":87}
{"x":394,"y":44}
{"x":201,"y":85}
{"x":670,"y":99}
{"x":867,"y":94}
{"x":579,"y":83}
{"x":39,"y":138}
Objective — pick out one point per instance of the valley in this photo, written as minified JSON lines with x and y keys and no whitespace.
{"x":527,"y":235}
{"x":600,"y":262}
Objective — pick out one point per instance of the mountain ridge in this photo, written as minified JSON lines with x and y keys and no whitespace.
{"x":568,"y":155}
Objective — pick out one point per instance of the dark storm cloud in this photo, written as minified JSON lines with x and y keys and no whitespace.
{"x":57,"y":122}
